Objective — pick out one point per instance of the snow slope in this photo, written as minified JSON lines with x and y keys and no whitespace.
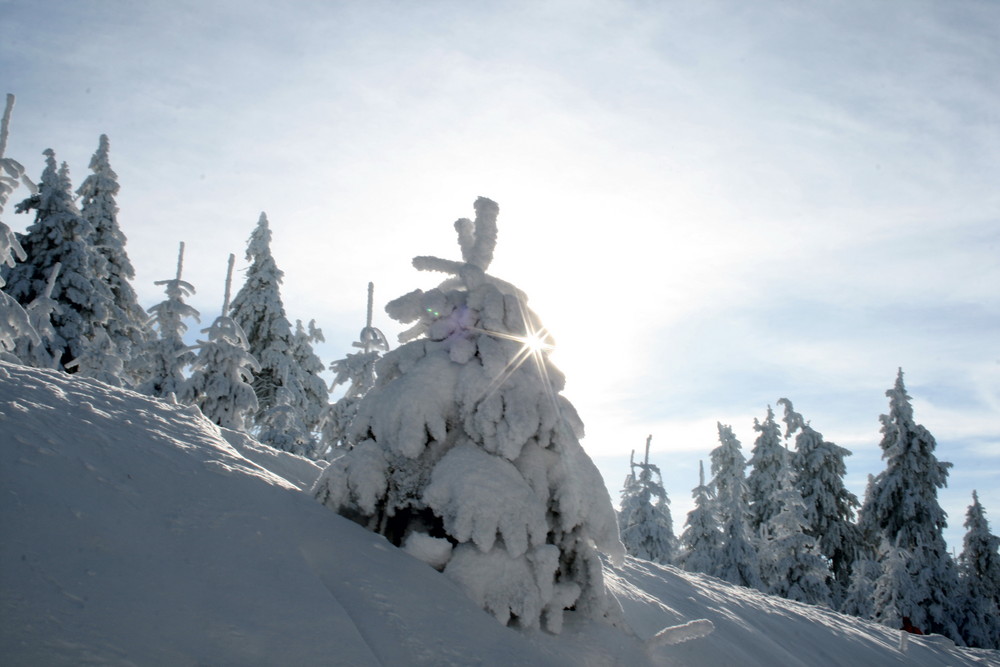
{"x":136,"y":532}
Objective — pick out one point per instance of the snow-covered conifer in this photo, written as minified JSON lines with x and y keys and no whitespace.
{"x":40,"y":313}
{"x":701,"y":541}
{"x":167,"y":353}
{"x":357,"y":372}
{"x":979,"y":571}
{"x":258,"y":309}
{"x":768,"y":460}
{"x":895,"y":589}
{"x":465,"y":439}
{"x":829,"y":507}
{"x":127,"y":325}
{"x":60,"y":234}
{"x":282,"y":426}
{"x":737,"y":560}
{"x":223,"y":370}
{"x":790,"y":563}
{"x":860,"y":598}
{"x":903,"y":507}
{"x":14,"y":323}
{"x":313,"y":401}
{"x":645,"y":524}
{"x":99,"y":360}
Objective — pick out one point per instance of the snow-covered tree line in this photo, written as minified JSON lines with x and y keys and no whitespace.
{"x":68,"y":303}
{"x":785,"y":523}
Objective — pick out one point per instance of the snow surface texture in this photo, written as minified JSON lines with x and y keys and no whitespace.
{"x":134,"y":533}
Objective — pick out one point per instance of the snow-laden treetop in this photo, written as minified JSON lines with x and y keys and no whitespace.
{"x":432,"y":311}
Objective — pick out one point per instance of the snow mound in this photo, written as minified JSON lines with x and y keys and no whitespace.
{"x":133,"y":533}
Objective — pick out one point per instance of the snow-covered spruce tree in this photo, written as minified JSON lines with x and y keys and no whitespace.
{"x":768,"y":460}
{"x":701,"y":541}
{"x":859,"y":600}
{"x":644,"y":522}
{"x":790,"y":563}
{"x":895,"y":588}
{"x":167,"y":353}
{"x":737,"y":560}
{"x":357,"y":371}
{"x":979,"y":572}
{"x":468,"y":456}
{"x":60,"y":234}
{"x":99,"y":360}
{"x":258,"y":309}
{"x":903,"y":508}
{"x":260,"y":312}
{"x":819,"y":471}
{"x":127,"y":325}
{"x":313,"y":398}
{"x":40,"y":313}
{"x":223,"y":370}
{"x":14,"y":323}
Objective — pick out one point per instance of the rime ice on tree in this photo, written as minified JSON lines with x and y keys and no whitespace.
{"x":903,"y":510}
{"x":829,"y":506}
{"x":701,"y":541}
{"x":60,"y":234}
{"x":644,"y":521}
{"x":167,"y":354}
{"x":767,"y":463}
{"x":737,"y":561}
{"x":468,"y":455}
{"x":357,"y":371}
{"x":221,"y":374}
{"x":126,"y":329}
{"x":979,"y":573}
{"x":15,"y":326}
{"x":313,"y":396}
{"x":790,"y":563}
{"x":279,"y":383}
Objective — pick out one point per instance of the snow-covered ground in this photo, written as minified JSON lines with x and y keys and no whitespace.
{"x":136,"y":532}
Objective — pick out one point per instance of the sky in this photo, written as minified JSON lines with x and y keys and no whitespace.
{"x":710,"y":205}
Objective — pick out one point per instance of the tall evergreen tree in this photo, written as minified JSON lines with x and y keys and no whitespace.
{"x":167,"y":354}
{"x":357,"y":372}
{"x":465,"y":448}
{"x":790,"y":563}
{"x":644,"y":522}
{"x":701,"y":541}
{"x":260,"y":312}
{"x":737,"y":561}
{"x":820,"y":470}
{"x":127,"y":324}
{"x":314,"y":394}
{"x":60,"y":234}
{"x":979,"y":571}
{"x":768,"y":460}
{"x":223,"y":370}
{"x":903,"y":507}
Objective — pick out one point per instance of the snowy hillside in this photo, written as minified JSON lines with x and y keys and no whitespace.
{"x":136,"y":532}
